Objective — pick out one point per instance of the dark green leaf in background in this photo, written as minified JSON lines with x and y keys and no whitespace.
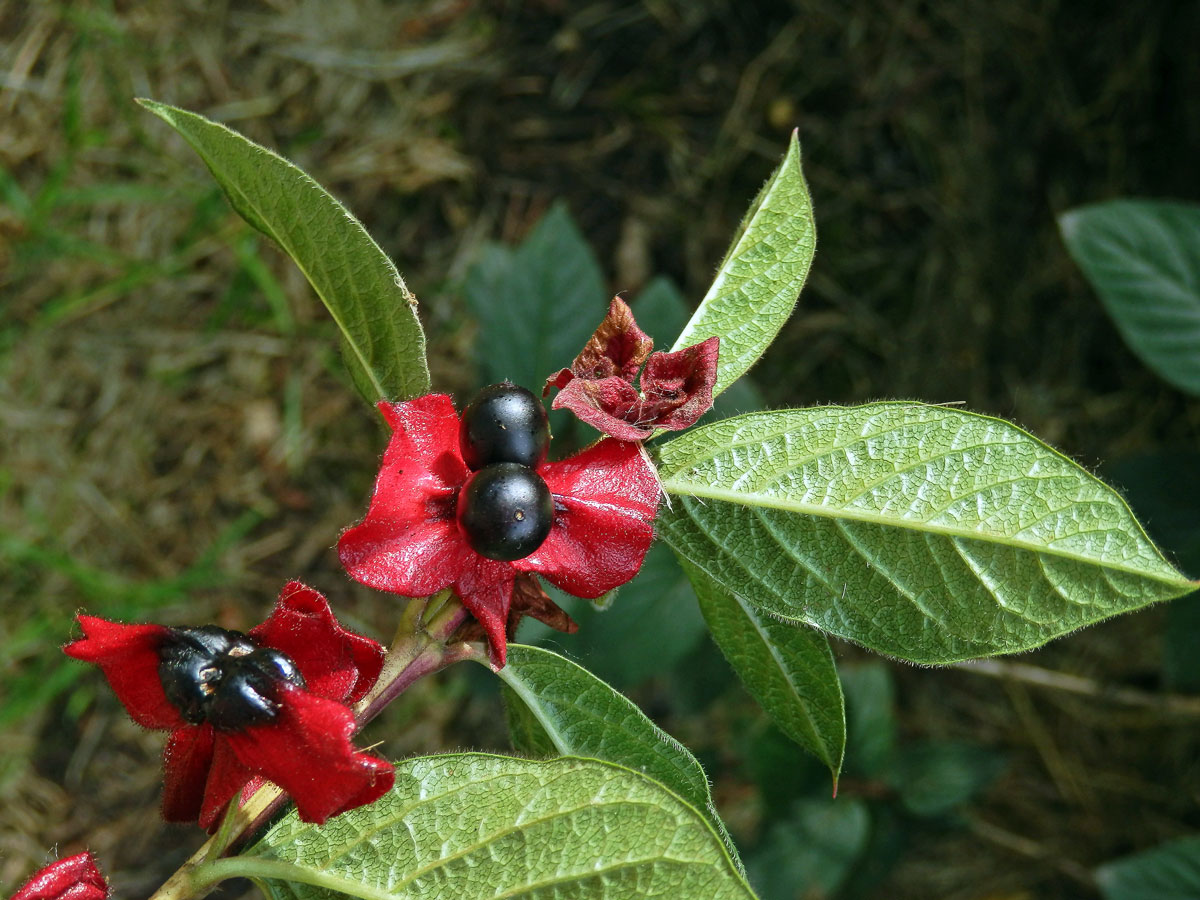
{"x":536,"y":304}
{"x":1143,"y":259}
{"x":928,"y":533}
{"x":1170,"y":871}
{"x":813,"y":852}
{"x":467,"y":826}
{"x":788,"y":668}
{"x":934,"y":777}
{"x":870,"y":717}
{"x":649,"y":626}
{"x":383,"y":344}
{"x":761,"y":276}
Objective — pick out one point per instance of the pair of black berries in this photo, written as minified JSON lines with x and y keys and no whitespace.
{"x":222,"y":677}
{"x":505,"y":509}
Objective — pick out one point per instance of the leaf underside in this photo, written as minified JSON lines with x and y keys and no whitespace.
{"x":382,"y":341}
{"x":928,"y":533}
{"x":467,"y":826}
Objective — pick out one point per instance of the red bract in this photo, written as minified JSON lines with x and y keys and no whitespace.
{"x":73,"y":878}
{"x":675,"y":388}
{"x":305,"y":746}
{"x":605,"y":499}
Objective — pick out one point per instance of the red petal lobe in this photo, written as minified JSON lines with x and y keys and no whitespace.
{"x":306,"y":750}
{"x":678,"y":386}
{"x":71,"y":878}
{"x":186,"y":761}
{"x":618,"y":347}
{"x":610,"y":405}
{"x":336,"y":663}
{"x":409,"y":543}
{"x":128,"y":657}
{"x":605,"y":502}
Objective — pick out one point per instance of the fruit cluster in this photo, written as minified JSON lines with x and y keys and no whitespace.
{"x":505,"y":510}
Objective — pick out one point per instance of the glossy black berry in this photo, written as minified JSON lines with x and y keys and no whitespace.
{"x":505,"y":510}
{"x":504,"y":423}
{"x":223,"y":677}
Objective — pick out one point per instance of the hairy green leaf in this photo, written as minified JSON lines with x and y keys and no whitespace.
{"x":383,"y":344}
{"x":465,"y":826}
{"x":1143,"y":259}
{"x":1169,"y":871}
{"x":537,"y":304}
{"x":928,"y":533}
{"x":761,"y":276}
{"x":787,"y":667}
{"x":580,"y":715}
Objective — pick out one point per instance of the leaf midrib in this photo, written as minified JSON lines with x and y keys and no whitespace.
{"x":742,"y":498}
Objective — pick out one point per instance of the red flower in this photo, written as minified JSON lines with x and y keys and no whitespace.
{"x":676,"y":388}
{"x":605,"y":499}
{"x":73,"y":878}
{"x":271,"y":704}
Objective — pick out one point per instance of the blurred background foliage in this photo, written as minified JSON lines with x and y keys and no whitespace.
{"x":177,"y":438}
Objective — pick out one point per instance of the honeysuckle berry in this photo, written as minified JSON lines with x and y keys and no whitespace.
{"x":410,"y":543}
{"x":504,"y":423}
{"x":506,"y":511}
{"x":223,"y":677}
{"x":271,"y":704}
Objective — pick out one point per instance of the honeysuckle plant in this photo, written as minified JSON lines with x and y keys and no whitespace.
{"x":927,"y":533}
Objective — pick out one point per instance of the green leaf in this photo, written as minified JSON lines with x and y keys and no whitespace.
{"x":788,"y":668}
{"x":928,"y":533}
{"x":933,"y":777}
{"x":1143,"y":259}
{"x":870,"y":717}
{"x":466,"y":826}
{"x":815,"y":851}
{"x":536,"y":305}
{"x":383,"y":344}
{"x":761,"y":276}
{"x":652,"y":624}
{"x":580,"y":715}
{"x":1170,"y":871}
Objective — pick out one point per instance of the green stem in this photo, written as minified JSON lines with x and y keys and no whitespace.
{"x":252,"y":867}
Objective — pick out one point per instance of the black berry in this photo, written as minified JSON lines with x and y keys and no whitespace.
{"x":505,"y":510}
{"x":222,"y":677}
{"x":504,"y":424}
